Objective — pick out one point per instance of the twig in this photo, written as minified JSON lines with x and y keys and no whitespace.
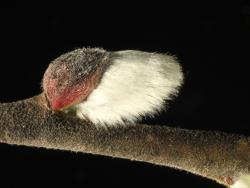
{"x":216,"y":155}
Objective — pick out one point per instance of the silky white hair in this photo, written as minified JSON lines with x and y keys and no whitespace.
{"x":242,"y":182}
{"x":134,"y":85}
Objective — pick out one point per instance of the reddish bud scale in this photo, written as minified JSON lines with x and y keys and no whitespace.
{"x":70,"y":95}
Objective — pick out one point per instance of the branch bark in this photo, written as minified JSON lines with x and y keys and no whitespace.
{"x":216,"y":155}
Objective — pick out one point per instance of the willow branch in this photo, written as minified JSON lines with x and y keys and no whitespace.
{"x":216,"y":155}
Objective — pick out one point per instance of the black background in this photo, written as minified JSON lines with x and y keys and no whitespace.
{"x":210,"y":39}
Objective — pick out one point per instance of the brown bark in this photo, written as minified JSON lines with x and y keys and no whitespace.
{"x":216,"y":155}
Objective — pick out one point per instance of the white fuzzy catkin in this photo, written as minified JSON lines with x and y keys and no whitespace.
{"x":134,"y":85}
